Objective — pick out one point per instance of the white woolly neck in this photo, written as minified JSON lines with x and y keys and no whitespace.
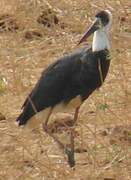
{"x":100,"y":40}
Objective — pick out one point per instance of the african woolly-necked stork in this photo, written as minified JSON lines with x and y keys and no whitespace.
{"x":69,"y":81}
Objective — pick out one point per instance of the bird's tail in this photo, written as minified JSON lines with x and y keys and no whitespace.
{"x":24,"y":117}
{"x":21,"y":119}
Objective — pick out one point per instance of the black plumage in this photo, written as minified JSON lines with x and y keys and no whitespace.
{"x":78,"y":73}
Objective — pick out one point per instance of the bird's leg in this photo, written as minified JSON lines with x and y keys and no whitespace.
{"x":70,"y":152}
{"x":76,"y":115}
{"x":45,"y":128}
{"x":47,"y":119}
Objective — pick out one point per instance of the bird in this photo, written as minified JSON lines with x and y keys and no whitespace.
{"x":71,"y":79}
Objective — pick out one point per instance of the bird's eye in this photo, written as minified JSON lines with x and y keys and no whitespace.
{"x":99,"y":23}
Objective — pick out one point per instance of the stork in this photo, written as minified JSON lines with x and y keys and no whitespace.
{"x":69,"y":81}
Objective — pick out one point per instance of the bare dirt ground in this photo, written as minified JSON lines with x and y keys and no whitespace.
{"x":35,"y":33}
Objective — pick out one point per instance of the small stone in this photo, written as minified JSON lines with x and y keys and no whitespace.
{"x":30,"y":35}
{"x":2,"y":117}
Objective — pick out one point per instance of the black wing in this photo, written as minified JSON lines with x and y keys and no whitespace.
{"x":54,"y":86}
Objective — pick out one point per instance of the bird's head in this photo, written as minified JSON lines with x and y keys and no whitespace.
{"x":102,"y":21}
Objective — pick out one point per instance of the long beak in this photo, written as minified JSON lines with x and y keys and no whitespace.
{"x":90,"y":30}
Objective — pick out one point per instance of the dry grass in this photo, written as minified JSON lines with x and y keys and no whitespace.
{"x":104,"y":127}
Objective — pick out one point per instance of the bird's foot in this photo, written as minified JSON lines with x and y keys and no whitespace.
{"x":70,"y":155}
{"x":69,"y":151}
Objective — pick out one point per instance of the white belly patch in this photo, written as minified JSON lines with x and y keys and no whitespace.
{"x":41,"y":116}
